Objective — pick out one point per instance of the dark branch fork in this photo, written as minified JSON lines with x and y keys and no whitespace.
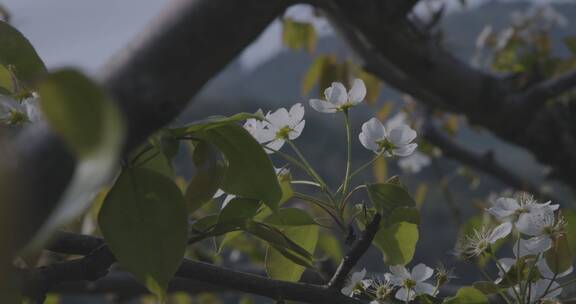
{"x":98,"y":259}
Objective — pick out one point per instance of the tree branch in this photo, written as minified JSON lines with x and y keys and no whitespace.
{"x":481,"y":162}
{"x":355,"y":253}
{"x":540,"y":93}
{"x":96,"y":264}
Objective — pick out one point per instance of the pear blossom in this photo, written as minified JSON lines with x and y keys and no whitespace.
{"x":338,"y":98}
{"x":414,"y":163}
{"x":394,"y":141}
{"x":512,"y":209}
{"x":543,"y":227}
{"x":481,"y":240}
{"x":411,"y":283}
{"x":284,"y":124}
{"x":381,"y":288}
{"x":259,"y":130}
{"x":356,"y":284}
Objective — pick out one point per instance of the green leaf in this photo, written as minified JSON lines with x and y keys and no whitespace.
{"x":330,"y":246}
{"x":207,"y":179}
{"x":250,"y":172}
{"x":373,"y":86}
{"x":17,"y":51}
{"x":387,"y":197}
{"x":282,"y":243}
{"x":487,"y":287}
{"x":93,"y":127}
{"x":467,"y":295}
{"x":290,"y":217}
{"x":570,"y":216}
{"x":313,"y":74}
{"x":559,"y":258}
{"x":6,"y":81}
{"x":404,"y":214}
{"x":397,"y":242}
{"x":143,"y":220}
{"x":239,"y":208}
{"x":281,"y":268}
{"x":299,"y":35}
{"x":209,"y":123}
{"x":570,"y":43}
{"x":77,"y":109}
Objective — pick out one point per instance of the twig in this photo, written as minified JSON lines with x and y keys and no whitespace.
{"x":96,"y":264}
{"x":355,"y":253}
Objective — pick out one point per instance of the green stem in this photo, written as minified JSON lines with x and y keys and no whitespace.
{"x":501,"y":268}
{"x":323,"y":205}
{"x":348,"y":154}
{"x":364,"y":166}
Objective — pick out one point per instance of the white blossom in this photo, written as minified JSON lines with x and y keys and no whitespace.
{"x":284,"y":124}
{"x":411,"y":283}
{"x":13,"y":112}
{"x":481,"y":240}
{"x":543,"y":227}
{"x":396,"y":141}
{"x":517,"y":209}
{"x":414,"y":163}
{"x":259,"y":130}
{"x":356,"y":284}
{"x":338,"y":98}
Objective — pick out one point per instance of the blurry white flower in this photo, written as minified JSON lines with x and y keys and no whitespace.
{"x":481,"y":240}
{"x":284,"y":125}
{"x":13,"y":112}
{"x":338,"y":99}
{"x":414,"y":163}
{"x":483,"y":37}
{"x":504,"y":37}
{"x":412,"y":283}
{"x":399,"y":119}
{"x":356,"y":284}
{"x":514,"y":209}
{"x":397,"y":141}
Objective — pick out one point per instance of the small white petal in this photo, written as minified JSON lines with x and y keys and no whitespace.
{"x":504,"y":207}
{"x":336,"y":94}
{"x":421,"y":272}
{"x":357,"y":92}
{"x":400,"y":271}
{"x":322,"y":106}
{"x":538,"y":244}
{"x":425,"y":288}
{"x":296,"y":113}
{"x":405,"y":294}
{"x":502,"y":231}
{"x":297,"y":130}
{"x":275,"y":145}
{"x":405,"y":150}
{"x":402,"y":135}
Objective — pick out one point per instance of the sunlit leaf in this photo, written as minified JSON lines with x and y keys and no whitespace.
{"x":312,"y":76}
{"x":559,"y":257}
{"x":397,"y":242}
{"x":420,"y":195}
{"x":299,"y":35}
{"x":373,"y":86}
{"x":290,"y":217}
{"x":143,"y":220}
{"x":281,"y":268}
{"x":467,"y":295}
{"x":209,"y":123}
{"x":385,"y":110}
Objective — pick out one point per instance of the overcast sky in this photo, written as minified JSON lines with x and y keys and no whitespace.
{"x":85,"y":33}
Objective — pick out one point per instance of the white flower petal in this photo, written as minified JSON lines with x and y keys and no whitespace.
{"x":421,"y":272}
{"x":357,"y":92}
{"x":547,"y":273}
{"x":296,"y":113}
{"x":538,"y":244}
{"x":336,"y":94}
{"x":402,"y":135}
{"x":502,"y":231}
{"x":425,"y":288}
{"x":322,"y":106}
{"x":297,"y":130}
{"x":504,"y":207}
{"x":274,"y":145}
{"x":405,"y":150}
{"x":400,"y":272}
{"x":405,"y":294}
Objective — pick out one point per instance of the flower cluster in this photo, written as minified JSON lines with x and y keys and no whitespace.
{"x":13,"y":112}
{"x":394,"y":139}
{"x":538,"y":227}
{"x":400,"y":283}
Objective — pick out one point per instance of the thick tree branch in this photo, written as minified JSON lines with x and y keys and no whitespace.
{"x":97,"y":263}
{"x":542,"y":92}
{"x":357,"y":250}
{"x":152,"y":81}
{"x":481,"y":162}
{"x":406,"y":56}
